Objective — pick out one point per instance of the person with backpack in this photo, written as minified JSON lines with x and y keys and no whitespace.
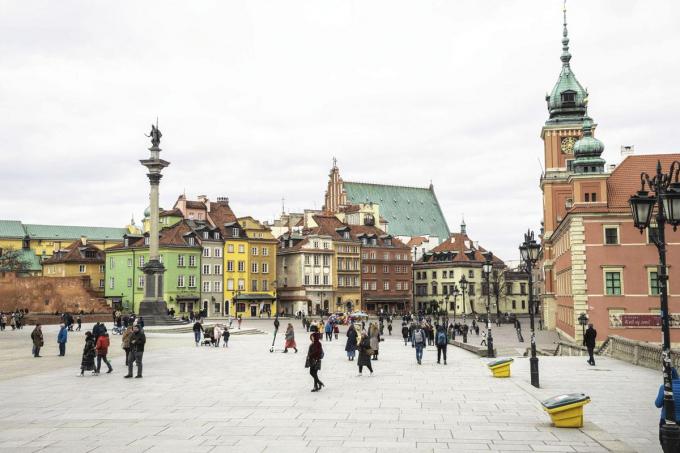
{"x":404,"y":332}
{"x":102,"y":349}
{"x":442,"y":341}
{"x":419,"y":340}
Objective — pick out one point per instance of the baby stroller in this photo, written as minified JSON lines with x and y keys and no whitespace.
{"x":118,"y":330}
{"x":209,"y":336}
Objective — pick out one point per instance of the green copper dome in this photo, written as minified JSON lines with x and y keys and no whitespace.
{"x":568,"y":98}
{"x":587,"y":150}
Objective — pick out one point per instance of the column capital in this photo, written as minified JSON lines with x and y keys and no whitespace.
{"x":154,"y":178}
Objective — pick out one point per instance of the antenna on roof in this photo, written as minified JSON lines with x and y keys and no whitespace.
{"x":283,"y":205}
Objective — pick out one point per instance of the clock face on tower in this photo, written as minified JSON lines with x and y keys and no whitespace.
{"x":568,"y":145}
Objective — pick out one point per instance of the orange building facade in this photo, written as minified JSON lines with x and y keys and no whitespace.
{"x":594,"y":261}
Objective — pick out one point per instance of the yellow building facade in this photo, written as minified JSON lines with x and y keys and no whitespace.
{"x":78,"y":259}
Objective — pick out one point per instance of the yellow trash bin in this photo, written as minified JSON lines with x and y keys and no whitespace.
{"x":500,"y":368}
{"x":566,"y":411}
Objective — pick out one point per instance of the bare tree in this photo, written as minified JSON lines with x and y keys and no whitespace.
{"x":498,"y":288}
{"x":12,"y":261}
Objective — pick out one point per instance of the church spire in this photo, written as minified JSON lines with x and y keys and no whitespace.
{"x":566,"y":56}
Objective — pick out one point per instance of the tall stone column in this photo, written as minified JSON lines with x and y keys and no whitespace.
{"x":153,"y":308}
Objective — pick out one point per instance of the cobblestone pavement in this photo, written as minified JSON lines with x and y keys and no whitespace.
{"x":245,"y":399}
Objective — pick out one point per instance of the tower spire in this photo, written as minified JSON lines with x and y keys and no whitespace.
{"x":566,"y":56}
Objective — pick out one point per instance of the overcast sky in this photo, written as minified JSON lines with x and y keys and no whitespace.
{"x":254,"y":98}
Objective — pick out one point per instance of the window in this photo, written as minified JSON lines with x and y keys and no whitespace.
{"x":230,"y":266}
{"x":386,"y":269}
{"x":235,"y":232}
{"x":654,"y":289}
{"x":146,"y":240}
{"x":216,"y":235}
{"x":568,"y":97}
{"x":471,"y":274}
{"x":593,"y":196}
{"x":386,"y":285}
{"x":101,"y":268}
{"x":325,"y":245}
{"x":206,"y":287}
{"x":398,"y":286}
{"x":241,"y":248}
{"x":366,"y":285}
{"x":206,"y":269}
{"x":253,"y":285}
{"x":316,"y":244}
{"x":101,"y":283}
{"x":111,"y":283}
{"x":241,"y":266}
{"x":316,"y":260}
{"x":522,"y":288}
{"x":230,"y":284}
{"x":306,"y":279}
{"x":192,"y":281}
{"x":325,"y":280}
{"x":365,"y":268}
{"x":160,"y":258}
{"x":217,"y":287}
{"x":230,"y":248}
{"x":241,"y":284}
{"x":326,"y":260}
{"x":192,"y":260}
{"x":586,"y":197}
{"x":240,"y":307}
{"x":129,"y":283}
{"x":180,"y":281}
{"x":434,"y":274}
{"x":192,"y":241}
{"x":253,"y":268}
{"x":339,"y":263}
{"x":265,"y":285}
{"x":265,"y":251}
{"x":341,"y":280}
{"x":253,"y":251}
{"x":129,"y":262}
{"x":265,"y":268}
{"x":307,"y":260}
{"x":206,"y":252}
{"x":345,"y":235}
{"x":141,"y":261}
{"x":514,"y":304}
{"x":180,"y":260}
{"x":523,"y":305}
{"x":652,"y":234}
{"x":373,"y":268}
{"x":434,"y":288}
{"x":611,"y":235}
{"x":82,"y":268}
{"x":316,"y":279}
{"x":471,"y":289}
{"x":217,"y":252}
{"x":217,"y":269}
{"x":206,"y":235}
{"x":404,"y":285}
{"x":374,"y":285}
{"x":612,"y":283}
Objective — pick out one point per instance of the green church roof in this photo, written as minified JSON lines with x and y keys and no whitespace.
{"x":74,"y":232}
{"x":11,"y":229}
{"x":32,"y":261}
{"x":409,"y":211}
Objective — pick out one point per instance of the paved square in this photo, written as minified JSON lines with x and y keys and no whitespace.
{"x":245,"y":399}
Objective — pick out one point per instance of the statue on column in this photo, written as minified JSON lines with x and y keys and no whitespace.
{"x":155,"y":136}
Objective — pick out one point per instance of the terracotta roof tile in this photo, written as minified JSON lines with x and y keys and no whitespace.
{"x":625,"y":179}
{"x":76,"y":252}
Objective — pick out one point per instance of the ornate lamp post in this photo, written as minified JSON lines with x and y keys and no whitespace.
{"x":455,"y":293}
{"x":487,"y":268}
{"x":463,"y":283}
{"x":666,"y":200}
{"x":529,"y":251}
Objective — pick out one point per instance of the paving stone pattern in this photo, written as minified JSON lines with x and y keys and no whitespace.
{"x":245,"y":399}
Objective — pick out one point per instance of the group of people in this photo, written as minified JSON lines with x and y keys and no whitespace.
{"x":15,"y":320}
{"x":211,"y":335}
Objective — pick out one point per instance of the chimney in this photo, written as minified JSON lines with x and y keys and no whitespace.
{"x":83,"y":240}
{"x":627,"y":150}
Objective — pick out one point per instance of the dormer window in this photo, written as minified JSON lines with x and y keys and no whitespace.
{"x":345,"y":235}
{"x":234,"y":232}
{"x":206,"y":235}
{"x":569,"y":98}
{"x":216,"y":235}
{"x":146,"y":240}
{"x":388,"y":241}
{"x":127,"y":242}
{"x":364,"y":241}
{"x":191,"y":240}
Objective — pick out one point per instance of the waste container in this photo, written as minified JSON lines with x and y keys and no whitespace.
{"x":566,"y":411}
{"x":500,"y":368}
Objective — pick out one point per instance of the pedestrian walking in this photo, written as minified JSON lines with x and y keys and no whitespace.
{"x":102,"y":349}
{"x":589,"y":342}
{"x":313,"y":362}
{"x":12,"y":322}
{"x":217,"y":334}
{"x":225,"y":336}
{"x":404,"y":332}
{"x":37,"y":338}
{"x":3,"y":321}
{"x":483,"y":343}
{"x":79,"y":321}
{"x":389,"y":328}
{"x":351,"y":345}
{"x":365,"y":353}
{"x":442,"y":341}
{"x":62,"y":337}
{"x":125,"y":343}
{"x":465,"y":332}
{"x":198,"y":330}
{"x":336,"y":331}
{"x":87,"y":362}
{"x":239,"y":320}
{"x":419,"y":340}
{"x":374,"y":338}
{"x":137,"y":342}
{"x":290,"y":339}
{"x":329,"y":330}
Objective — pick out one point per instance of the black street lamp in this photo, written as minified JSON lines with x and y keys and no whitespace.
{"x":583,"y":321}
{"x":666,"y":200}
{"x":529,"y":251}
{"x":463,"y":283}
{"x":487,"y":268}
{"x":455,"y":292}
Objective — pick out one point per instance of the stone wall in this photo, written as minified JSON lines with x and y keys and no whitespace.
{"x":49,"y":295}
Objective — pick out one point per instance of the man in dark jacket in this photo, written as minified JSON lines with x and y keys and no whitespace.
{"x":198,"y":328}
{"x":589,"y":342}
{"x":137,"y":342}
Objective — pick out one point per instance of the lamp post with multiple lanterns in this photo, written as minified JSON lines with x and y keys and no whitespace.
{"x":463,"y":283}
{"x":664,"y":201}
{"x":487,"y":268}
{"x":529,"y":250}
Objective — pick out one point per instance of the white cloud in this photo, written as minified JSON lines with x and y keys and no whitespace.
{"x":254,"y":99}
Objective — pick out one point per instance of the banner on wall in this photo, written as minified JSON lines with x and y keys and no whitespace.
{"x":641,"y":320}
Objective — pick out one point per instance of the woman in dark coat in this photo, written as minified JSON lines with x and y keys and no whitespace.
{"x":351,"y":345}
{"x":365,"y":353}
{"x":88,"y":354}
{"x":314,"y":356}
